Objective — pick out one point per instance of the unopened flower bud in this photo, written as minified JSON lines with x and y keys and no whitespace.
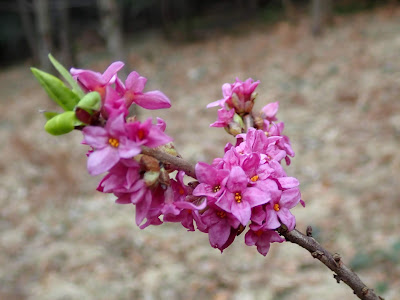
{"x":237,"y":103}
{"x":151,"y":178}
{"x":253,"y":96}
{"x":149,"y":163}
{"x":164,"y":177}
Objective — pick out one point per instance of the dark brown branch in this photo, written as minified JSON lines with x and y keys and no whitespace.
{"x":333,"y":262}
{"x":170,"y":160}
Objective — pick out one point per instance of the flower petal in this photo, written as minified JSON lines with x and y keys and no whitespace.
{"x":95,"y":137}
{"x":237,"y":180}
{"x":290,"y":198}
{"x":288,"y":182}
{"x":128,"y":148}
{"x":218,"y":234}
{"x":242,"y":212}
{"x":102,"y":160}
{"x":112,"y":70}
{"x":287,"y":218}
{"x":135,"y":82}
{"x":152,"y":100}
{"x":255,"y":196}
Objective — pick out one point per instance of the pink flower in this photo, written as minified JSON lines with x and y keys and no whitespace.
{"x":180,"y":208}
{"x":147,"y":134}
{"x":238,"y":198}
{"x":278,"y":209}
{"x":212,"y":181}
{"x":262,"y":238}
{"x":110,"y":144}
{"x":270,"y":110}
{"x":219,"y":226}
{"x":121,"y":177}
{"x":94,"y":81}
{"x":224,"y":117}
{"x":132,"y":92}
{"x":238,"y":95}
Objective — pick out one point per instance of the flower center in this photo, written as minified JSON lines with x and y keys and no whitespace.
{"x":129,"y":96}
{"x":254,"y":178}
{"x":276,"y":207}
{"x":140,"y":134}
{"x":216,"y":188}
{"x":101,"y":90}
{"x":181,"y":191}
{"x":113,"y":142}
{"x":259,"y":232}
{"x":221,"y":214}
{"x":238,"y":197}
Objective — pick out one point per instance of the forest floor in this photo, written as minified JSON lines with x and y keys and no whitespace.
{"x":339,"y":99}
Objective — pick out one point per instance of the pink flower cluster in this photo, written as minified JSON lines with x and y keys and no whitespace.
{"x":246,"y":188}
{"x":248,"y":185}
{"x":116,"y":96}
{"x":116,"y":144}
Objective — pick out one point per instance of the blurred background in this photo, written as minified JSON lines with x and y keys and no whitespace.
{"x":333,"y":65}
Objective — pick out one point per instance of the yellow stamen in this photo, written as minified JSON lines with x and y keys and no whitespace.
{"x":113,"y":142}
{"x":276,"y":207}
{"x":238,"y":197}
{"x":254,"y":178}
{"x":216,"y":188}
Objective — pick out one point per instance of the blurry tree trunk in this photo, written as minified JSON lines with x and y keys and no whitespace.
{"x":252,"y":5}
{"x":63,"y":31}
{"x":29,"y":29}
{"x":166,"y":18}
{"x":111,"y":26}
{"x":321,"y":12}
{"x":290,"y":10}
{"x":42,"y":14}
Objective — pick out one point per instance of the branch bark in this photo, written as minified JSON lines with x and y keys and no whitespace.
{"x":173,"y":161}
{"x":332,"y":261}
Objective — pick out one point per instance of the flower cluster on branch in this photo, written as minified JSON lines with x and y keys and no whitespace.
{"x":246,"y":189}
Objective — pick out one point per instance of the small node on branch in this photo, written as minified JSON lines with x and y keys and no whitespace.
{"x":309,"y":231}
{"x":317,"y":254}
{"x":365,"y":291}
{"x":337,"y":277}
{"x":338,"y":259}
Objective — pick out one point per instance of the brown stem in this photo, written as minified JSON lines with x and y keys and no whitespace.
{"x":170,"y":160}
{"x":333,"y":262}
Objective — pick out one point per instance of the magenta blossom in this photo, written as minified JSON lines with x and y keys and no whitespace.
{"x":224,"y":117}
{"x":94,"y":81}
{"x":278,"y":209}
{"x":132,"y":92}
{"x":262,"y":238}
{"x":212,"y":181}
{"x":239,"y":95}
{"x":270,"y":110}
{"x":239,"y":198}
{"x":147,"y":134}
{"x":180,"y":207}
{"x":219,"y":226}
{"x":110,"y":144}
